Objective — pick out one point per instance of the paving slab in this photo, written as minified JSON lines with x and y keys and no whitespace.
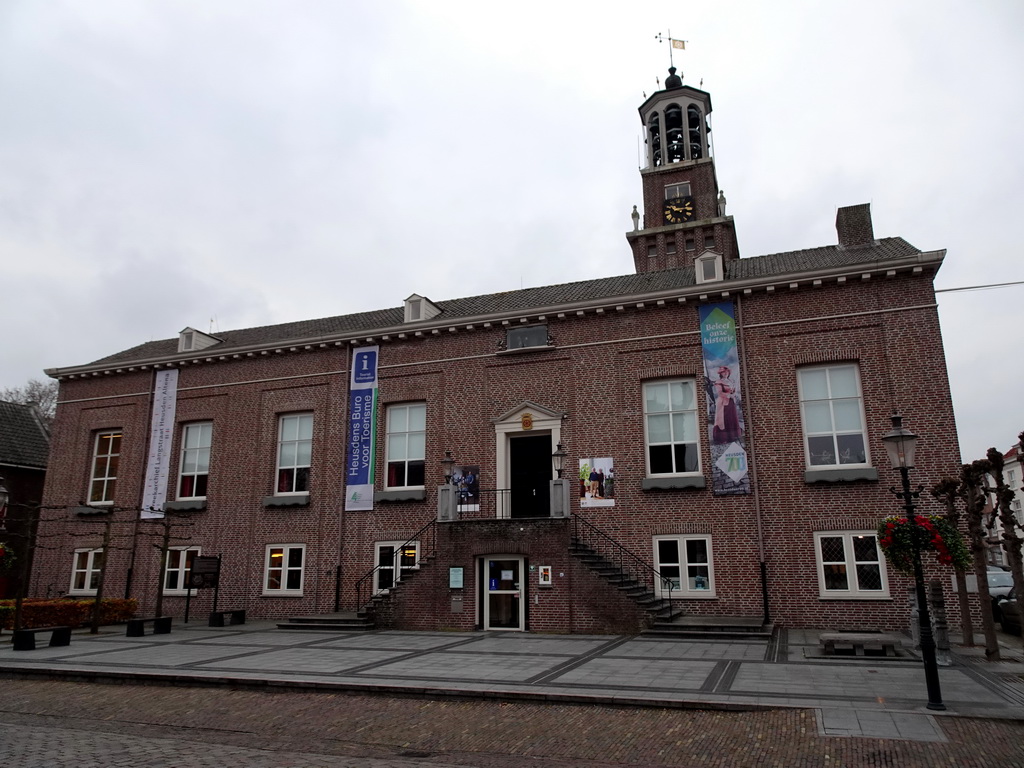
{"x":857,"y":697}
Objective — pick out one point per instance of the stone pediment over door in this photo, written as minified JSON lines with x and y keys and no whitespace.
{"x":526,"y":418}
{"x":539,"y":412}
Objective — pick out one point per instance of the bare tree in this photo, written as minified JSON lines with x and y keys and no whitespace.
{"x":43,"y":394}
{"x":1010,"y":526}
{"x":972,"y":493}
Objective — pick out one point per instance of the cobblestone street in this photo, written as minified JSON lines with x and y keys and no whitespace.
{"x":60,"y":723}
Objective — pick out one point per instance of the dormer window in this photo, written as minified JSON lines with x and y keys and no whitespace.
{"x":420,"y":308}
{"x":190,"y":340}
{"x":708,"y":268}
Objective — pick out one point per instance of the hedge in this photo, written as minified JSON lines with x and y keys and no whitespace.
{"x":65,"y":612}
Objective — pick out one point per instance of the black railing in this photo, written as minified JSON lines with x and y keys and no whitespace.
{"x":485,"y":504}
{"x":426,"y":545}
{"x":630,"y":565}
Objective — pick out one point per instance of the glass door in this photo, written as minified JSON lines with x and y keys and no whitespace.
{"x":503,"y":598}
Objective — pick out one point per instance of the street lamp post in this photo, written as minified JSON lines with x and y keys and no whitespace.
{"x":901,"y":445}
{"x":558,"y":459}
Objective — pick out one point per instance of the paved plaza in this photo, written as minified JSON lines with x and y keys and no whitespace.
{"x":852,"y":697}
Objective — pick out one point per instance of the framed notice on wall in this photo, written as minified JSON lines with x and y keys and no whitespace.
{"x":455,"y":578}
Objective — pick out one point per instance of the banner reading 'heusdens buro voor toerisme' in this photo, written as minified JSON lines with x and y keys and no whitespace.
{"x":359,"y":475}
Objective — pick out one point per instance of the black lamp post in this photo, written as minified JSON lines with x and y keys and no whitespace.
{"x":558,"y":459}
{"x":449,"y":467}
{"x":901,"y":445}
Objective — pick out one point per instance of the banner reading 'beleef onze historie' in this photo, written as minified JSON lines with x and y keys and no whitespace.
{"x":362,"y":409}
{"x":724,"y":401}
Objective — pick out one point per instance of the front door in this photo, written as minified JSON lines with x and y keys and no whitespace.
{"x":504,"y":600}
{"x":530,"y":475}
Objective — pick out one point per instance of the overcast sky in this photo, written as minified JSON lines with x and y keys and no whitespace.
{"x":225,"y":164}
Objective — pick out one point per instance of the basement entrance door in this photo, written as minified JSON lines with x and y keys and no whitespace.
{"x":530,"y":475}
{"x":504,"y":601}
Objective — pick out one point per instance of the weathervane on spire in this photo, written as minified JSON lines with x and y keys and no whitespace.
{"x":672,"y":43}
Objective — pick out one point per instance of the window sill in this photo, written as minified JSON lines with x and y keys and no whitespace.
{"x":520,"y":350}
{"x":672,"y":483}
{"x":281,"y":594}
{"x":192,"y":505}
{"x":93,"y":509}
{"x":298,"y":500}
{"x":840,"y":475}
{"x":72,"y":593}
{"x":848,"y":598}
{"x":677,"y":595}
{"x":413,"y":494}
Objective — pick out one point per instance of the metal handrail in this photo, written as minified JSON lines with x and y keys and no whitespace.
{"x":622,"y":554}
{"x":361,"y":584}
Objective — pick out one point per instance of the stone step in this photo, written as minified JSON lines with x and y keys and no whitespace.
{"x":326,"y":627}
{"x":712,"y":627}
{"x":341,"y":621}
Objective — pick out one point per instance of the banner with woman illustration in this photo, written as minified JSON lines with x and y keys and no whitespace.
{"x":724,"y":400}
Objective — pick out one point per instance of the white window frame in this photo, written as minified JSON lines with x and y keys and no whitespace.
{"x":413,"y":443}
{"x":195,"y":456}
{"x":673,"y":442}
{"x":100,"y":471}
{"x":701,"y":262}
{"x":89,"y":562}
{"x":679,"y":189}
{"x":834,"y":433}
{"x":179,"y":564}
{"x":294,"y":446}
{"x":688,"y":587}
{"x":853,"y":590}
{"x":412,"y":549}
{"x":286,"y":569}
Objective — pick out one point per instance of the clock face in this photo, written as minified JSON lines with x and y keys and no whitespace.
{"x":678,"y":210}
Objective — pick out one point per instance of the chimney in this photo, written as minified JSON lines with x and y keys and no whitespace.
{"x":853,"y":223}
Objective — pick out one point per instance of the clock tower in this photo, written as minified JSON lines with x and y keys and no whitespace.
{"x":683,"y":222}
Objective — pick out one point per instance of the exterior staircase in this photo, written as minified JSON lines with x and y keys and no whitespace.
{"x":639,"y":588}
{"x":361,"y":620}
{"x":635,"y":578}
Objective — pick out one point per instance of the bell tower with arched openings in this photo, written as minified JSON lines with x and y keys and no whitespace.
{"x":683,"y":221}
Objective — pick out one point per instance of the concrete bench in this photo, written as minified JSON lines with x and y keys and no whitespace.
{"x":859,"y":642}
{"x":137,"y":627}
{"x":25,"y":639}
{"x":234,"y":617}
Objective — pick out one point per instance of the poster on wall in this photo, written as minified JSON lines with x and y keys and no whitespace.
{"x":597,"y":482}
{"x":161,"y":434}
{"x":362,"y":421}
{"x":726,"y":430}
{"x":466,"y":479}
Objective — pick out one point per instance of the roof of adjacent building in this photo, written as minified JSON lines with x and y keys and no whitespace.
{"x":24,"y":439}
{"x":456,"y":310}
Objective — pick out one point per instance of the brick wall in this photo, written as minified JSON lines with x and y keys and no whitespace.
{"x":594,"y":374}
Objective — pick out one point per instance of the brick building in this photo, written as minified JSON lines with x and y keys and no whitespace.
{"x":717,"y":420}
{"x":24,"y":447}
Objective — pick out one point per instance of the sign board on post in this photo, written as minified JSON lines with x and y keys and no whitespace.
{"x":205,"y":573}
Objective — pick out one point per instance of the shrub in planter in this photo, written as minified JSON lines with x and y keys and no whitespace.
{"x":65,"y":612}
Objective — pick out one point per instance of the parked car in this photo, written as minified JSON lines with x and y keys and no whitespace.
{"x":1000,"y":583}
{"x":1009,"y":611}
